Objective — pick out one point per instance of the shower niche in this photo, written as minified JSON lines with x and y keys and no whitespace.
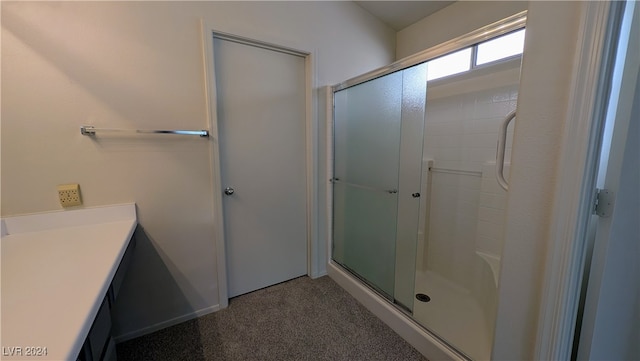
{"x":418,"y":215}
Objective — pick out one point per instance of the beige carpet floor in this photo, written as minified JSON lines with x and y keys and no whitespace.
{"x":301,"y":319}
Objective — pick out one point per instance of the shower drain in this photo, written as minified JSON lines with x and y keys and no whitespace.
{"x":422,"y":297}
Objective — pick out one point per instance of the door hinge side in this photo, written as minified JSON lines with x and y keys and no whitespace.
{"x":604,"y":201}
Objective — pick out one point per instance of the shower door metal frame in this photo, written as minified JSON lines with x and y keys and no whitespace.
{"x":507,"y":25}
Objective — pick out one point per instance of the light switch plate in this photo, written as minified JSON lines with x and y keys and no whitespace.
{"x":69,"y":195}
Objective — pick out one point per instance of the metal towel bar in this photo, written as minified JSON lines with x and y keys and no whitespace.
{"x":456,"y":171}
{"x":502,"y":142}
{"x":91,"y":130}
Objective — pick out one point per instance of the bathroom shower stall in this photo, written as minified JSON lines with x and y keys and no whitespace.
{"x":418,"y":212}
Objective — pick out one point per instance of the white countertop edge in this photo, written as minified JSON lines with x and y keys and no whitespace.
{"x":37,"y":222}
{"x":121,"y":217}
{"x":86,"y":327}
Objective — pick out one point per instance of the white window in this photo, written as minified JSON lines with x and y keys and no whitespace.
{"x":449,"y":64}
{"x":502,"y":47}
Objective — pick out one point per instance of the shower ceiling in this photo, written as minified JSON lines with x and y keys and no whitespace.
{"x":400,"y":14}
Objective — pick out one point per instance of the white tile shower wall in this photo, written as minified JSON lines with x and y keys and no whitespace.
{"x":491,"y":212}
{"x":489,"y":242}
{"x":461,"y":134}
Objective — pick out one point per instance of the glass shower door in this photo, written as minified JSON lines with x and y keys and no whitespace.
{"x":366,"y":152}
{"x":378,"y":138}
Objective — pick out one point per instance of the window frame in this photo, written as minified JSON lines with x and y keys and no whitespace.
{"x":473,"y":58}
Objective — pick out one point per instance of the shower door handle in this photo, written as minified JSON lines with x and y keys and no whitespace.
{"x":229,"y":191}
{"x":502,"y":143}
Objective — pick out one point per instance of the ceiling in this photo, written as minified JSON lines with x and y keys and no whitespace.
{"x":400,"y":14}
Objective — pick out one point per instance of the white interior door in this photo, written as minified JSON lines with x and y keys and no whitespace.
{"x":262,"y":127}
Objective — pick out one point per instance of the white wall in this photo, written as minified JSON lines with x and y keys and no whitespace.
{"x":545,"y":81}
{"x":452,"y":21}
{"x":139,"y":65}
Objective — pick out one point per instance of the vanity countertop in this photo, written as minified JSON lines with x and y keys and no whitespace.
{"x":56,"y":270}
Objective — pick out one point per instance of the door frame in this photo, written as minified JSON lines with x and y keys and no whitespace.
{"x":208,"y":32}
{"x":575,"y":189}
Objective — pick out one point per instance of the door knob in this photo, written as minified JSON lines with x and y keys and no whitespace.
{"x":229,"y":191}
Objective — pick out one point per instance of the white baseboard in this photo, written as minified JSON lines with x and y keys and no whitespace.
{"x":426,"y":344}
{"x":164,"y":324}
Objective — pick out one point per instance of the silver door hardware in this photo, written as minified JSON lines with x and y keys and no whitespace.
{"x":415,"y":195}
{"x":392,"y":191}
{"x":229,"y":191}
{"x":604,"y":202}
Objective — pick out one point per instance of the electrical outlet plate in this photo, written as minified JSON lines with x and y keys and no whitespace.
{"x":69,"y":195}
